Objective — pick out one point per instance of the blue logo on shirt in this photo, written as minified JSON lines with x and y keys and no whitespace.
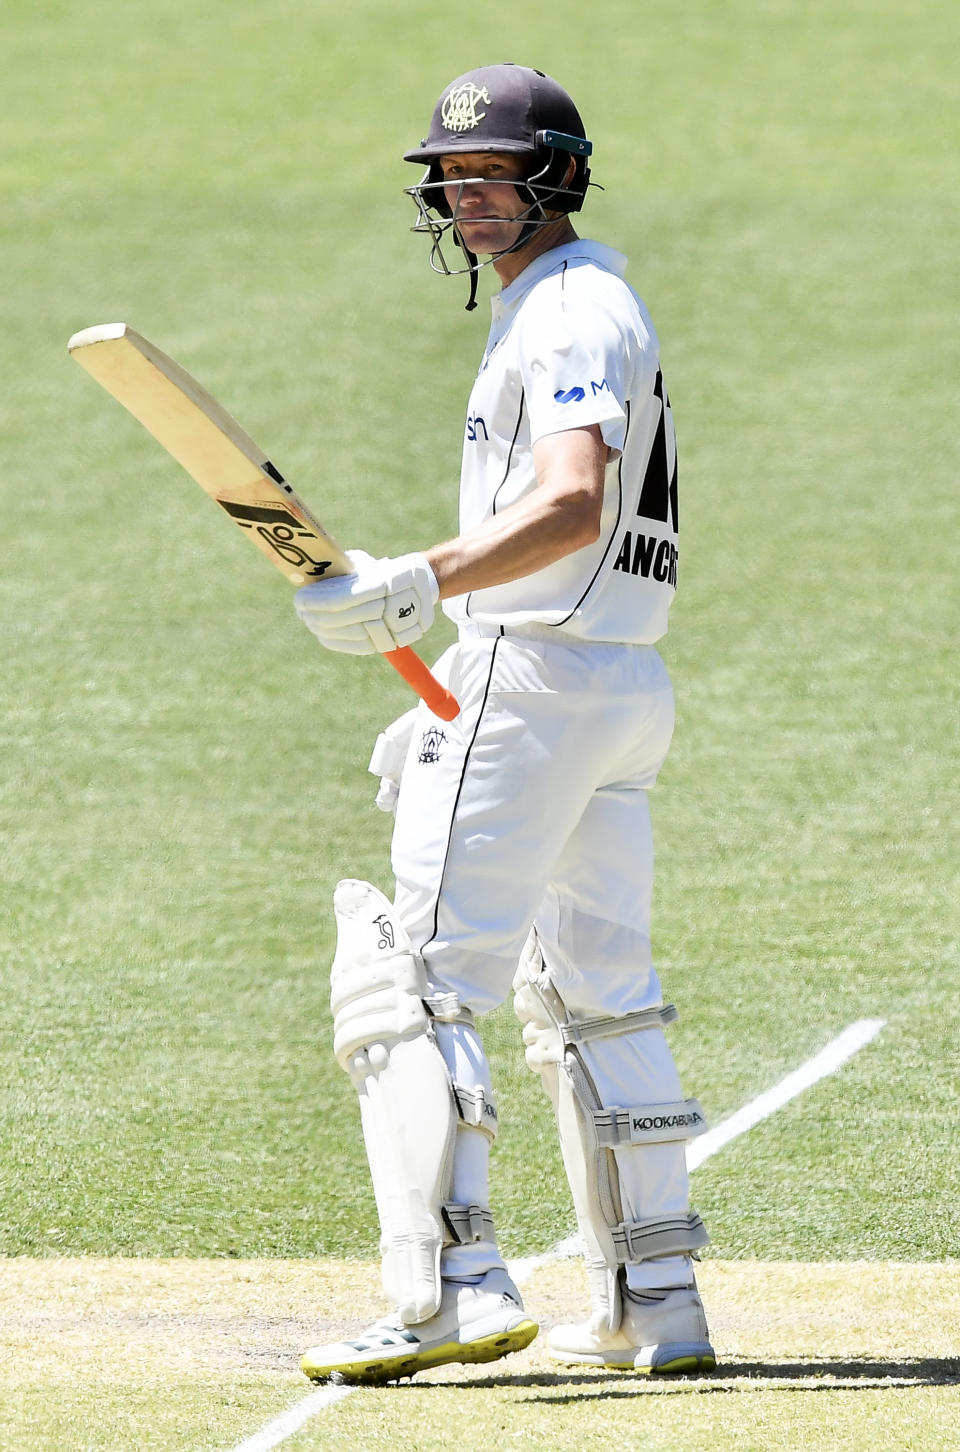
{"x":578,"y":394}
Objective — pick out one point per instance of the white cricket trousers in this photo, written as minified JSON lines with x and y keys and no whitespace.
{"x":531,"y":809}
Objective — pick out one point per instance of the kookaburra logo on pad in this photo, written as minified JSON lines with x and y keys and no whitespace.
{"x":459,"y":111}
{"x":385,"y":927}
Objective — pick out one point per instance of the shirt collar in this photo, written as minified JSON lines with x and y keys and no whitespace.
{"x":508,"y":298}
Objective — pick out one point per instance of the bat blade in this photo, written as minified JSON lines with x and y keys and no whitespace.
{"x":229,"y":466}
{"x":209,"y":443}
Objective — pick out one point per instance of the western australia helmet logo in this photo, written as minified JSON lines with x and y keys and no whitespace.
{"x":459,"y":111}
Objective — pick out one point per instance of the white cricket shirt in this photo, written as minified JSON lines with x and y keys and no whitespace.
{"x":571,"y":344}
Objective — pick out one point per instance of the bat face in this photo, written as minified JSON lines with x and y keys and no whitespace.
{"x":275,"y":527}
{"x":227,"y":464}
{"x":210,"y":444}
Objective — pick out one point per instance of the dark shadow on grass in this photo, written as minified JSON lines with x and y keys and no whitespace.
{"x":914,"y":1371}
{"x":853,"y":1374}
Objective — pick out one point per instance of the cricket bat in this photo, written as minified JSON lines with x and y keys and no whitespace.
{"x":227,"y":464}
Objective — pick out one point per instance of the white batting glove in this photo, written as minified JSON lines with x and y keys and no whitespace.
{"x":389,"y":757}
{"x":383,"y":605}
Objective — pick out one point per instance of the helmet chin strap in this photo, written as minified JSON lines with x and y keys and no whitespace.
{"x":474,"y":264}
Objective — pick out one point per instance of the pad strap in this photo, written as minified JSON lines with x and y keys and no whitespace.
{"x":649,"y":1124}
{"x":549,"y":1031}
{"x":648,"y":1239}
{"x":583,"y":1030}
{"x":467,"y":1225}
{"x":446,"y":1007}
{"x":476,"y":1110}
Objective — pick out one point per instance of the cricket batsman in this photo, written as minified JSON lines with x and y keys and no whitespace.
{"x":522,"y":845}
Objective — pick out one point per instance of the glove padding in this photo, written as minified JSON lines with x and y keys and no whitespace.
{"x":383,"y":605}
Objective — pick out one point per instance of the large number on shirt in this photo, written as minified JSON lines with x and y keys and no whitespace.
{"x":658,"y":497}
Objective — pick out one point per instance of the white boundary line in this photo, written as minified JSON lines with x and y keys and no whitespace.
{"x":827,"y":1062}
{"x":284,"y":1426}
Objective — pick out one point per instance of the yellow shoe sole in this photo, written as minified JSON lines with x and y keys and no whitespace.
{"x":377,"y":1370}
{"x":680,"y":1365}
{"x":686,"y":1361}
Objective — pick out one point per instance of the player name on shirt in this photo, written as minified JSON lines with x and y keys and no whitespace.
{"x":646,"y":555}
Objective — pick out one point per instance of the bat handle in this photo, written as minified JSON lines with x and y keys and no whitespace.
{"x":441,"y":701}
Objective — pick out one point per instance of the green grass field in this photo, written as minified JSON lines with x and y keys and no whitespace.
{"x":185,"y":774}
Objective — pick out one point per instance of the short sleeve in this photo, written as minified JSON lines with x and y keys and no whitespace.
{"x":573,"y":361}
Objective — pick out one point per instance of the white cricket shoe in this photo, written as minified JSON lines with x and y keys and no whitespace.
{"x":474,"y":1323}
{"x":661,"y":1332}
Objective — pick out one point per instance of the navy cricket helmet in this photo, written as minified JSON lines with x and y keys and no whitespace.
{"x":515,"y":110}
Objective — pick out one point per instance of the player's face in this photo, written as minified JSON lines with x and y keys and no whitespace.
{"x":484,"y":202}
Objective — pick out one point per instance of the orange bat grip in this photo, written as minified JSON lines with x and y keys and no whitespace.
{"x":441,"y":701}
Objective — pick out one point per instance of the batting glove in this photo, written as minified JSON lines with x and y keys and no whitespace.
{"x":383,"y":605}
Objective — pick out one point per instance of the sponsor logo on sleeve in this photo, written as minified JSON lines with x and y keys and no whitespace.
{"x":578,"y":392}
